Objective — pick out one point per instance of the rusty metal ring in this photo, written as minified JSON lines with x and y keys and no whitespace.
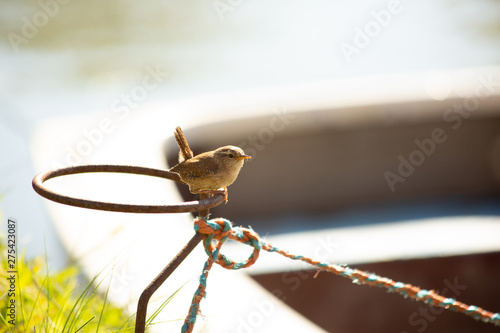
{"x":184,"y":207}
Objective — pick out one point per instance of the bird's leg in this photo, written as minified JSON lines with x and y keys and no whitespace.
{"x":222,"y":191}
{"x":225,"y":194}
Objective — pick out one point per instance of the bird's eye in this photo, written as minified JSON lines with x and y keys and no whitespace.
{"x":231,"y":155}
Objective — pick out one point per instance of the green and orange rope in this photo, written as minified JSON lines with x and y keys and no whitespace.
{"x":218,"y":230}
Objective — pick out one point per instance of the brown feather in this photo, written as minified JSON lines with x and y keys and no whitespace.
{"x":185,"y":152}
{"x":211,"y":170}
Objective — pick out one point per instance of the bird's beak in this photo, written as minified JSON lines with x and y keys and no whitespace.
{"x":244,"y":157}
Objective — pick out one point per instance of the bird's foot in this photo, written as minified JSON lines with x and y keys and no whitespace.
{"x":225,"y":194}
{"x":222,"y":191}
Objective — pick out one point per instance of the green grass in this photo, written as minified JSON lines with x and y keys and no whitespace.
{"x":57,"y":302}
{"x":60,"y":302}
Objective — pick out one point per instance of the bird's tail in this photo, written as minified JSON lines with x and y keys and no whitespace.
{"x":185,"y":152}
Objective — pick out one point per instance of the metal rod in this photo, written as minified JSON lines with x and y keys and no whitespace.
{"x":203,"y":212}
{"x":183,"y":207}
{"x":202,"y":206}
{"x":142,"y":305}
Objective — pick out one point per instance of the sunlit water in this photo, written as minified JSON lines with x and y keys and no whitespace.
{"x":60,"y":59}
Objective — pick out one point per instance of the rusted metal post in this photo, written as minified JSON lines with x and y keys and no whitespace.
{"x":183,"y":207}
{"x":142,"y":305}
{"x":203,"y":206}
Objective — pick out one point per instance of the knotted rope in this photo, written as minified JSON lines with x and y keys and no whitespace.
{"x":218,"y":230}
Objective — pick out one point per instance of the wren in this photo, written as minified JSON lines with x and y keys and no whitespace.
{"x":209,"y":172}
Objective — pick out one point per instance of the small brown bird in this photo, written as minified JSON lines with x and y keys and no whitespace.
{"x":211,"y":171}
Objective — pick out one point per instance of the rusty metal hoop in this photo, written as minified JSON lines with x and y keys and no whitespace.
{"x":184,"y":207}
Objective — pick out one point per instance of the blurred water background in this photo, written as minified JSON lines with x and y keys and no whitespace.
{"x":60,"y":58}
